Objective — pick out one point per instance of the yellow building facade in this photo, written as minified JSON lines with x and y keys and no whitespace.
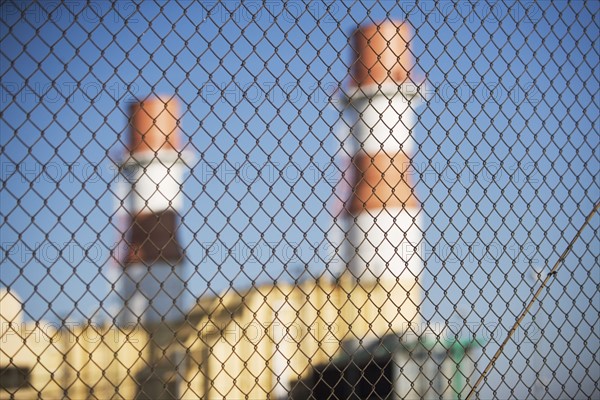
{"x":251,"y":344}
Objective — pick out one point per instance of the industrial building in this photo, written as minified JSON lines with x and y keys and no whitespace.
{"x":271,"y":341}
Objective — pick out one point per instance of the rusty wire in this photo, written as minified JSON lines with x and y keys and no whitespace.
{"x":296,"y":199}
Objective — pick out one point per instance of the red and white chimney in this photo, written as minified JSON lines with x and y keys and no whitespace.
{"x":152,"y":287}
{"x":383,"y":213}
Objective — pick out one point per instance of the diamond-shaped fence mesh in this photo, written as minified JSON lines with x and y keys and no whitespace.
{"x":299,"y":199}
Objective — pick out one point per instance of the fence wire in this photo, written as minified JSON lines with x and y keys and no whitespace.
{"x":300,"y":199}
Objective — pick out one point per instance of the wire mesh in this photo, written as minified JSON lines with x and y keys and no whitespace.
{"x":299,"y":199}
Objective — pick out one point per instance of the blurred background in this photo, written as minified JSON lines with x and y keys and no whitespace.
{"x":506,"y":162}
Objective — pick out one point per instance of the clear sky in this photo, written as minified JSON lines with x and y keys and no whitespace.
{"x":507,"y":165}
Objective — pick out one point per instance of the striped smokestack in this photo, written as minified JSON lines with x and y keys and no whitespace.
{"x":154,"y":168}
{"x":383,"y":211}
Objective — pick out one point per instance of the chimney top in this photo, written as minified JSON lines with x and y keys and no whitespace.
{"x":382,"y":53}
{"x":154,"y":125}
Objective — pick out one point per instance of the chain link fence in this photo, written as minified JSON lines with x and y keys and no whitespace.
{"x":299,"y":199}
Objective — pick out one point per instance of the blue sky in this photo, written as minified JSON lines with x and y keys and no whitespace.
{"x":507,"y":164}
